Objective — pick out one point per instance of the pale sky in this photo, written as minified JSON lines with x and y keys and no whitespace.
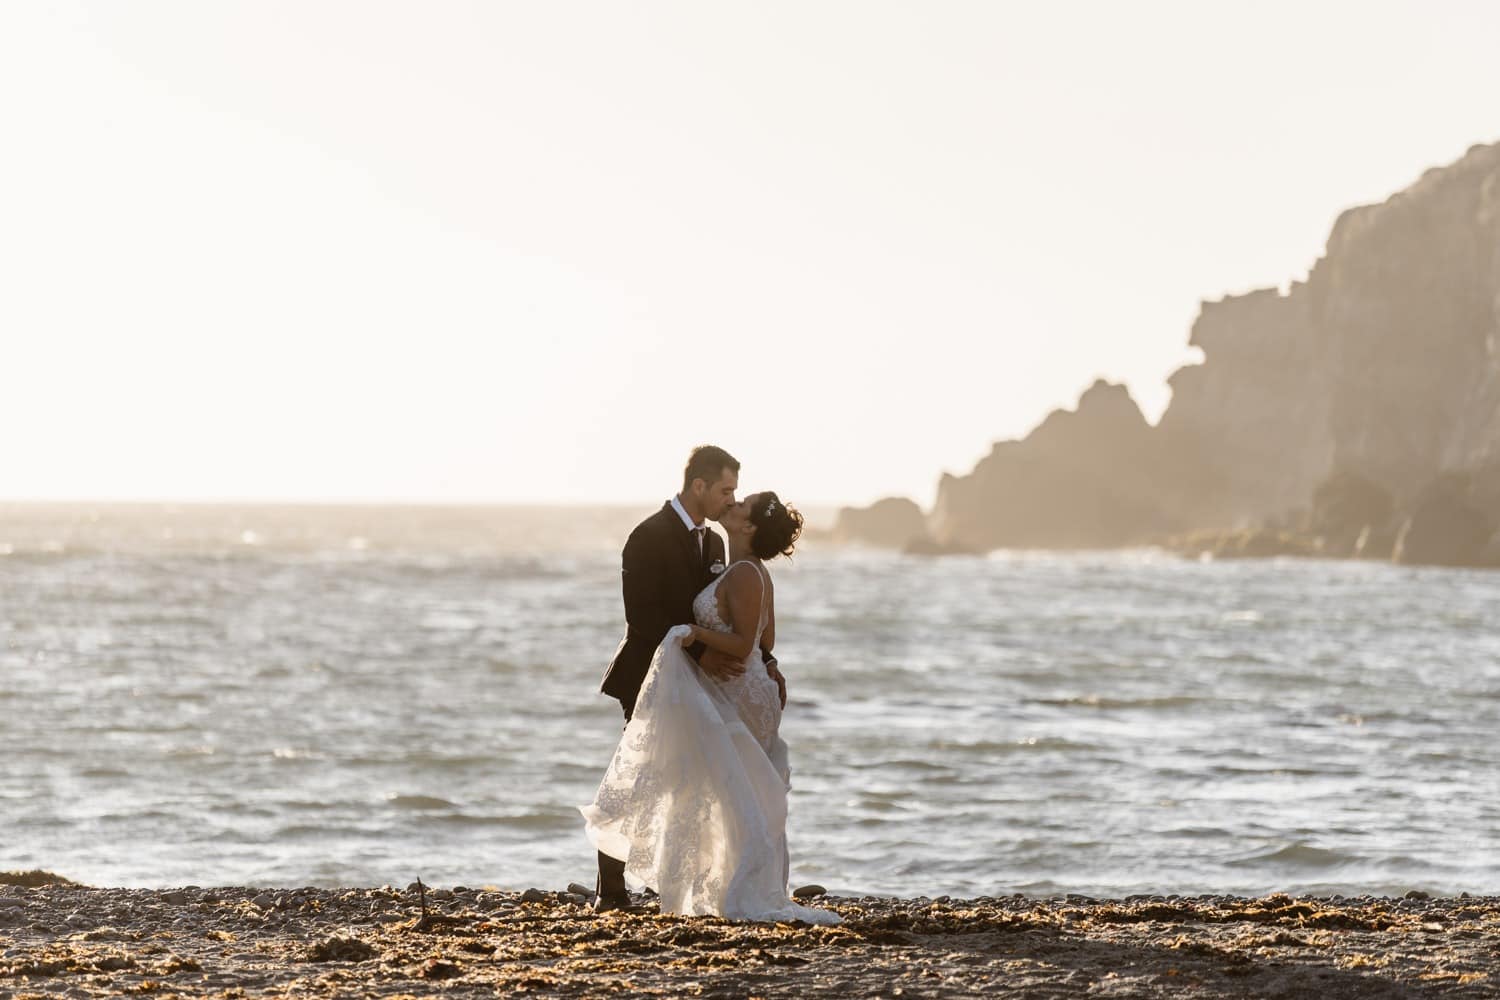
{"x":524,"y":252}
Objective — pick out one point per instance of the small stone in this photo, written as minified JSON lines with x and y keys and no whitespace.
{"x":341,"y":949}
{"x":265,"y":901}
{"x":533,"y":896}
{"x":176,"y":898}
{"x":388,"y":918}
{"x":575,"y":888}
{"x":442,"y":894}
{"x":435,"y":968}
{"x":1418,"y":894}
{"x":809,"y":891}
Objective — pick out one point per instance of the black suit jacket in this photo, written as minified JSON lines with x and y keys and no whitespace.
{"x":661,"y":573}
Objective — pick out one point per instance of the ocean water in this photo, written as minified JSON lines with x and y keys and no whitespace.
{"x":359,"y":696}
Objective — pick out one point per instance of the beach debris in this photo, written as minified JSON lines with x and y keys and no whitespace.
{"x":436,"y":968}
{"x":428,"y":919}
{"x":341,"y":949}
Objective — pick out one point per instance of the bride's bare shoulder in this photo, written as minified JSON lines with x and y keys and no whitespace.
{"x":742,"y":578}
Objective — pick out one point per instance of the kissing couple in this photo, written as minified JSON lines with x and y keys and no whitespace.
{"x":694,"y":801}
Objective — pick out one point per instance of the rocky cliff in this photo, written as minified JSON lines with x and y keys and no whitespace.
{"x":1384,"y":363}
{"x":1383,"y":366}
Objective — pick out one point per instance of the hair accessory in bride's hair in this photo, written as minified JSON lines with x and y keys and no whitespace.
{"x":770,"y":509}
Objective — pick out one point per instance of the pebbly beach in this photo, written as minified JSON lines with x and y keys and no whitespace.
{"x":58,"y":938}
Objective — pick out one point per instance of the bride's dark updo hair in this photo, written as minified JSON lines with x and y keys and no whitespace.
{"x":777,"y":527}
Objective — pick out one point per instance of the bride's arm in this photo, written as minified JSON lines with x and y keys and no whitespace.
{"x":744,"y":591}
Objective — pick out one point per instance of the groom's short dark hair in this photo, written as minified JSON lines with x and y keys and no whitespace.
{"x":708,"y":462}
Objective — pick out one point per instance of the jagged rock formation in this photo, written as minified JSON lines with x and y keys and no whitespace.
{"x":1374,"y":379}
{"x":1385,"y":363}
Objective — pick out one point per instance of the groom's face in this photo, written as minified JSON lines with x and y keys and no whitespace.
{"x":718,"y":497}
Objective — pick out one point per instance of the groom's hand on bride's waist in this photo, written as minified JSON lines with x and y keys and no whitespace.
{"x":776,"y":676}
{"x":720,"y":665}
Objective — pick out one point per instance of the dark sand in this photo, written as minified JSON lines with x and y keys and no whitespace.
{"x":69,"y":940}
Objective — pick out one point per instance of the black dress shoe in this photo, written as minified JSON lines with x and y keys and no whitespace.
{"x":606,"y":901}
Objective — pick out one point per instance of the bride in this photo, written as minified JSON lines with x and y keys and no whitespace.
{"x":695,"y":799}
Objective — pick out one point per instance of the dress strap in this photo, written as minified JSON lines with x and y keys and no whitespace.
{"x":765,"y":599}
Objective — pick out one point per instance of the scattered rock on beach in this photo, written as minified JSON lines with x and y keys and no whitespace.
{"x":1194,"y":947}
{"x":340,"y":949}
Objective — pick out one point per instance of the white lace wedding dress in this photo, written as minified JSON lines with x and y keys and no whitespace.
{"x":695,"y":797}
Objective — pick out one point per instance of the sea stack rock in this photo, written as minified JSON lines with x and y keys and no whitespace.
{"x":1084,"y":478}
{"x":892,"y":523}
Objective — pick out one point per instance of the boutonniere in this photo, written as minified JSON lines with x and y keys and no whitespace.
{"x":716,"y":568}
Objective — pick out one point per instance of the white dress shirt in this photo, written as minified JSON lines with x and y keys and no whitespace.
{"x":697,"y":529}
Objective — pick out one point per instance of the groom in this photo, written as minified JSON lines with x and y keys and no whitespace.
{"x":668,"y":559}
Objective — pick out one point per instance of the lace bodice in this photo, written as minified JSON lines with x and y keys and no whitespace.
{"x":754,"y":693}
{"x":706,"y":604}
